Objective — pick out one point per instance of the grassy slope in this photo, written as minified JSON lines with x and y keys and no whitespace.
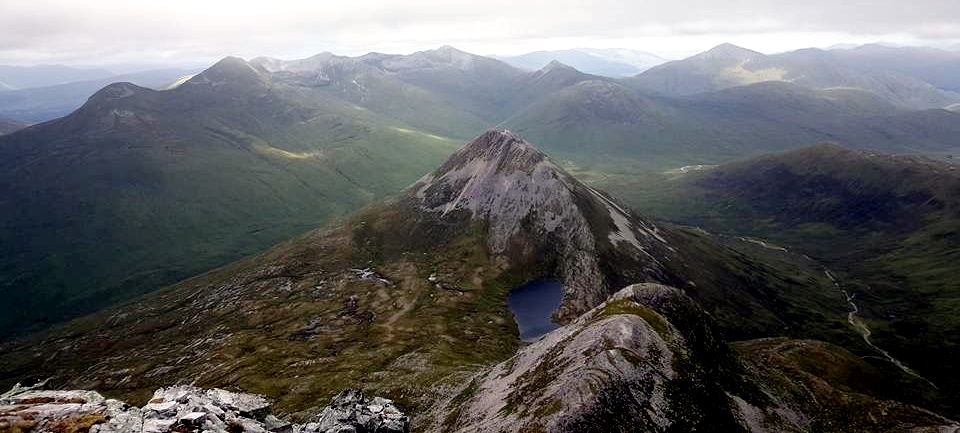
{"x":886,"y":224}
{"x":295,"y":323}
{"x":97,"y":216}
{"x":609,"y":128}
{"x":9,"y":125}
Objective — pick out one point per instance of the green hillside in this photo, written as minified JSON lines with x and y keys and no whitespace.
{"x":141,"y":188}
{"x":886,"y":225}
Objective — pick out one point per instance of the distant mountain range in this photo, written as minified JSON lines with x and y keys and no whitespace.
{"x":607,"y":62}
{"x":25,"y":77}
{"x":912,"y":78}
{"x":42,"y":103}
{"x":933,"y":66}
{"x":140,"y":188}
{"x":608,"y":127}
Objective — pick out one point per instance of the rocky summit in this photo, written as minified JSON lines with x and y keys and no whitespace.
{"x":185,"y":409}
{"x":537,"y":210}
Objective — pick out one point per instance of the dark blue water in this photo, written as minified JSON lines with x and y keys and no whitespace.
{"x":533,"y":304}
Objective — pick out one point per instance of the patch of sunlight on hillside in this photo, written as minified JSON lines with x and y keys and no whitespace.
{"x":425,"y":134}
{"x":746,"y":76}
{"x":179,"y":82}
{"x":688,"y":169}
{"x":269,"y":150}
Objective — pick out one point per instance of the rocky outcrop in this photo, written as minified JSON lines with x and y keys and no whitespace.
{"x":351,"y":412}
{"x":648,"y":359}
{"x":538,"y":212}
{"x":620,"y":365}
{"x":187,"y":409}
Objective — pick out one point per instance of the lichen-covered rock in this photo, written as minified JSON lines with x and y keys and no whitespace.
{"x":351,"y":412}
{"x":30,"y":409}
{"x":648,"y":360}
{"x":186,"y":409}
{"x":609,"y":370}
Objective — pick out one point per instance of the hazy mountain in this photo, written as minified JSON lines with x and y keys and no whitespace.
{"x":718,"y":68}
{"x":45,"y":103}
{"x":640,"y":59}
{"x":9,"y":125}
{"x":409,"y":299}
{"x":374,"y":83}
{"x":458,"y":94}
{"x":605,"y":62}
{"x":445,"y":90}
{"x":728,"y":66}
{"x":24,"y":77}
{"x":610,"y":128}
{"x":478,"y":85}
{"x":937,"y":67}
{"x":886,"y":225}
{"x":140,"y":188}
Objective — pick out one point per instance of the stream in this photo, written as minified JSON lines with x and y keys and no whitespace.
{"x":854,"y":320}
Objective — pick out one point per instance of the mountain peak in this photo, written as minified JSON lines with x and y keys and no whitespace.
{"x":448,"y":49}
{"x":556,"y":65}
{"x":531,"y":204}
{"x":728,"y":50}
{"x":503,"y":150}
{"x":116,"y":91}
{"x":229,"y":69}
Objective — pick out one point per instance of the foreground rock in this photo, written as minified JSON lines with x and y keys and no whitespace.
{"x":187,"y":409}
{"x":649,"y":360}
{"x":351,"y":412}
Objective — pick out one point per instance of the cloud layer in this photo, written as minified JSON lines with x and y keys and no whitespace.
{"x":126,"y":30}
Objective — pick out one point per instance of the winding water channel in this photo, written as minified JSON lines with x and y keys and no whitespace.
{"x":853,"y":317}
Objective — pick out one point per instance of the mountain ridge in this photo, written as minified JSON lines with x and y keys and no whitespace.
{"x":613,"y":63}
{"x":728,"y":66}
{"x":231,"y":159}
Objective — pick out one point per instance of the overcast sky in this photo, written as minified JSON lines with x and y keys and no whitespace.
{"x":124,"y":31}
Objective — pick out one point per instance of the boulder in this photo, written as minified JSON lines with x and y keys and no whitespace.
{"x":188,"y":409}
{"x":351,"y":412}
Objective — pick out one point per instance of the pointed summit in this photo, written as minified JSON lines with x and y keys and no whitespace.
{"x":533,"y":209}
{"x":115,"y":91}
{"x":556,"y":64}
{"x":499,"y":149}
{"x":233,"y":70}
{"x":730,"y":51}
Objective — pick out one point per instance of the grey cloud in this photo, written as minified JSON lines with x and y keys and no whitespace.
{"x":69,"y":30}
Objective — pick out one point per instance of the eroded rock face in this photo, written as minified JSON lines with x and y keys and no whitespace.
{"x":187,"y":409}
{"x":612,"y":364}
{"x":534,"y":208}
{"x":648,"y":360}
